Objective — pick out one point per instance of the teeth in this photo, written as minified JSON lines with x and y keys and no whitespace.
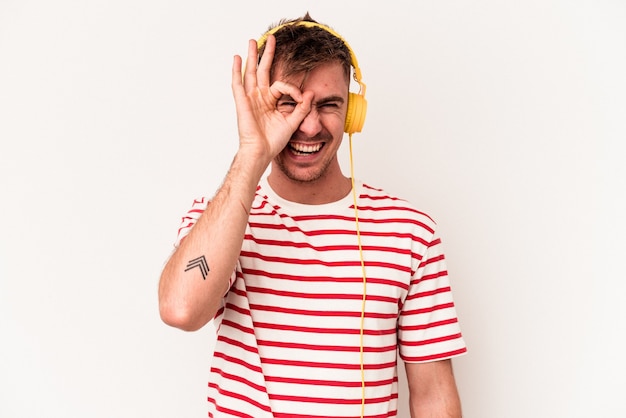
{"x":305,"y":149}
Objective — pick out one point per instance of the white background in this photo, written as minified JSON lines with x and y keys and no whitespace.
{"x":500,"y":118}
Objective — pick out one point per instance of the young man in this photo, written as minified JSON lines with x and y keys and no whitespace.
{"x":282,"y":263}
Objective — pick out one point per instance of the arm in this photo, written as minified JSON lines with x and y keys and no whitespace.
{"x":432,"y":390}
{"x":189,"y":297}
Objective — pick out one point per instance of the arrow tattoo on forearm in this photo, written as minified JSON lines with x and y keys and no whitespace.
{"x":201,"y":263}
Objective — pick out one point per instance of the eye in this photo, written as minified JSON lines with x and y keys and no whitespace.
{"x":286,"y":105}
{"x":328,"y":107}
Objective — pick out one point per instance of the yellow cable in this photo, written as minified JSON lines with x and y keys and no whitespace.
{"x":358,"y":236}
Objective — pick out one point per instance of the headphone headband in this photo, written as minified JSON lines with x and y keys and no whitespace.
{"x":309,"y":24}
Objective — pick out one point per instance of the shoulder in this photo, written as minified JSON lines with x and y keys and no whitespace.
{"x":379,"y":201}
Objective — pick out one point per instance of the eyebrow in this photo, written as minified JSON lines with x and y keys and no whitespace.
{"x":329,"y":99}
{"x":322,"y":101}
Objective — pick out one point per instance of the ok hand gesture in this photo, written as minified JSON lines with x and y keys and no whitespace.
{"x":263,"y":130}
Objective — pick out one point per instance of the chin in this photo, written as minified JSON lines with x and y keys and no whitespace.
{"x":301,"y":174}
{"x":299,"y":177}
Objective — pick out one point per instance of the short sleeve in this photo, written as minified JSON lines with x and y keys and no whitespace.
{"x":428,"y":327}
{"x":190,"y":219}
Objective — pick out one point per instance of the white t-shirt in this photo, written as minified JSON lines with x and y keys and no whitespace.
{"x":289,"y":330}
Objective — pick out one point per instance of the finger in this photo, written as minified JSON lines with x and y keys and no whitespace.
{"x":303,"y":103}
{"x":236,"y":70}
{"x":263,"y":71}
{"x":249,"y":79}
{"x":303,"y":108}
{"x":281,"y":88}
{"x":237,"y":81}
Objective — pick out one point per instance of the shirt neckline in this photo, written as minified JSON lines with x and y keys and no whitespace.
{"x":345,"y":203}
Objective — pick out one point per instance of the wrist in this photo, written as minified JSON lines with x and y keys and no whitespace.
{"x":251,"y":163}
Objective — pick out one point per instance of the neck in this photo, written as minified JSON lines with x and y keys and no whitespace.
{"x":327,"y":189}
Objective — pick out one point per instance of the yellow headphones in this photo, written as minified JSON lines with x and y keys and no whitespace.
{"x":357,"y":105}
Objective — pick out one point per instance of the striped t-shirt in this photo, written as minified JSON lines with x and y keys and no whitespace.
{"x":288,"y":332}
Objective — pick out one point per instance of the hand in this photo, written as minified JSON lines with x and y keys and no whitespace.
{"x":262,"y":128}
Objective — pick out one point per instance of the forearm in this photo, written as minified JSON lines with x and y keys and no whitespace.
{"x":445,"y":407}
{"x":196,"y":276}
{"x":432,"y":390}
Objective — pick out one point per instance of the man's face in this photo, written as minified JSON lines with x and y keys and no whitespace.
{"x":311,"y":154}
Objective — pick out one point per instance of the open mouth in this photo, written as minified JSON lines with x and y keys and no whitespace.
{"x":305,"y":149}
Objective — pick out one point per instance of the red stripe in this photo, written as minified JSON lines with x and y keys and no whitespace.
{"x":435,"y":242}
{"x":319,"y":347}
{"x":385,"y":415}
{"x":348,"y":314}
{"x":432,"y":260}
{"x":431,"y":340}
{"x":272,"y":226}
{"x":433,"y":276}
{"x":439,"y":356}
{"x":324,"y":248}
{"x":341,"y":331}
{"x":348,"y":232}
{"x":241,"y":397}
{"x":236,"y":343}
{"x":337,"y":383}
{"x":429,"y":293}
{"x":393,"y":208}
{"x":323,"y":279}
{"x":324,"y":296}
{"x":429,"y":309}
{"x":227,"y":410}
{"x":429,"y":325}
{"x":318,"y":365}
{"x":230,"y":376}
{"x":331,"y":401}
{"x":354,"y":263}
{"x":237,"y":308}
{"x":232,"y":412}
{"x":261,"y":209}
{"x":363,"y":220}
{"x":237,"y":325}
{"x":238,"y":361}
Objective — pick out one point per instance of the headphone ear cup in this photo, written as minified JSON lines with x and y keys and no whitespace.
{"x":355,"y":114}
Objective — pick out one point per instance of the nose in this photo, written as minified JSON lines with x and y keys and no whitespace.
{"x":311,"y":125}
